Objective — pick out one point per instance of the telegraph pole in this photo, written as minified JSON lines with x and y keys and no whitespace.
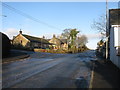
{"x":107,"y":29}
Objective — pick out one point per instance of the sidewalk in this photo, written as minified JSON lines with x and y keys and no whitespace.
{"x":105,"y":75}
{"x":14,"y":56}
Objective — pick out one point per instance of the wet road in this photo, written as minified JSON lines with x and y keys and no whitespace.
{"x":44,"y":70}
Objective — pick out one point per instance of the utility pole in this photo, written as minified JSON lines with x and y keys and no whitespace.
{"x":41,"y":43}
{"x":107,"y":29}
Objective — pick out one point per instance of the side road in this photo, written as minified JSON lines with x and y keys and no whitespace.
{"x":105,"y":75}
{"x":17,"y":55}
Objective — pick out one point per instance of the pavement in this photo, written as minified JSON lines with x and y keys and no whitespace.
{"x":15,"y":56}
{"x":105,"y":75}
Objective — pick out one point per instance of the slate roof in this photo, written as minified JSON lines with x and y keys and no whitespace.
{"x":63,"y":40}
{"x":55,"y":40}
{"x":114,"y":17}
{"x":36,"y":39}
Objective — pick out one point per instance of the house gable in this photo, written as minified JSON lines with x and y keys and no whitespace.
{"x":20,"y":40}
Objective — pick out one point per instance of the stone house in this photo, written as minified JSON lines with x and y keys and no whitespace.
{"x":58,"y":43}
{"x":30,"y":42}
{"x":64,"y":44}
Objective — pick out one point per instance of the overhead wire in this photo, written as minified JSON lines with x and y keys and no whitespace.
{"x":28,"y":16}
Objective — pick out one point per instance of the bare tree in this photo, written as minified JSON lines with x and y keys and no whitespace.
{"x":70,"y":35}
{"x":66,"y":34}
{"x":82,"y":40}
{"x":100,"y":25}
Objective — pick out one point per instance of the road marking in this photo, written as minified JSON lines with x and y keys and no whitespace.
{"x":92,"y":75}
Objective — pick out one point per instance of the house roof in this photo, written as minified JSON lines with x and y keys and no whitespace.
{"x":114,"y":17}
{"x":63,"y":40}
{"x":36,"y":39}
{"x":56,"y":41}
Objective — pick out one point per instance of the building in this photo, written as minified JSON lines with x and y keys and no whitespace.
{"x":64,"y":44}
{"x":30,"y":42}
{"x":114,"y":36}
{"x":6,"y":45}
{"x":58,"y":43}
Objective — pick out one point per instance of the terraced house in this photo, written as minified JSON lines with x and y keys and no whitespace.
{"x":31,"y":42}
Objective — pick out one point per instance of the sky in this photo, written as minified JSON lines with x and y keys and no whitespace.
{"x":50,"y":18}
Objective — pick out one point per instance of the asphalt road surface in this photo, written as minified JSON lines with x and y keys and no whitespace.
{"x":45,"y":70}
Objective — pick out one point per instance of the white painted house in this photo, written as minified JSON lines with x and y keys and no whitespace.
{"x":114,"y":36}
{"x":115,"y":44}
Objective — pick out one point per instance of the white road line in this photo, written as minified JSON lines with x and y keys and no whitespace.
{"x":92,"y":75}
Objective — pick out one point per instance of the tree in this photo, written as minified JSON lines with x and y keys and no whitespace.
{"x":74,"y":42}
{"x":100,"y":43}
{"x":82,"y":40}
{"x":66,"y":34}
{"x":73,"y":35}
{"x":100,"y":25}
{"x":70,"y":35}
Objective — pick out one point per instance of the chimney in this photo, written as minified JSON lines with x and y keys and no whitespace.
{"x":54,"y":36}
{"x":43,"y":37}
{"x":13,"y":37}
{"x":20,"y":31}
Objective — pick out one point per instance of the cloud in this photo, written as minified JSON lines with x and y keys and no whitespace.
{"x":10,"y":32}
{"x":94,"y":36}
{"x":89,"y":36}
{"x":93,"y":39}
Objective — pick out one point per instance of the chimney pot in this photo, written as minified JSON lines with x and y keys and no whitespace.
{"x":20,"y":31}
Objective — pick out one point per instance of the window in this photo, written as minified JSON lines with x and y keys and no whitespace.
{"x":118,"y":51}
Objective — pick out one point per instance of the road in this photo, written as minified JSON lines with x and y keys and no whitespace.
{"x":45,"y":70}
